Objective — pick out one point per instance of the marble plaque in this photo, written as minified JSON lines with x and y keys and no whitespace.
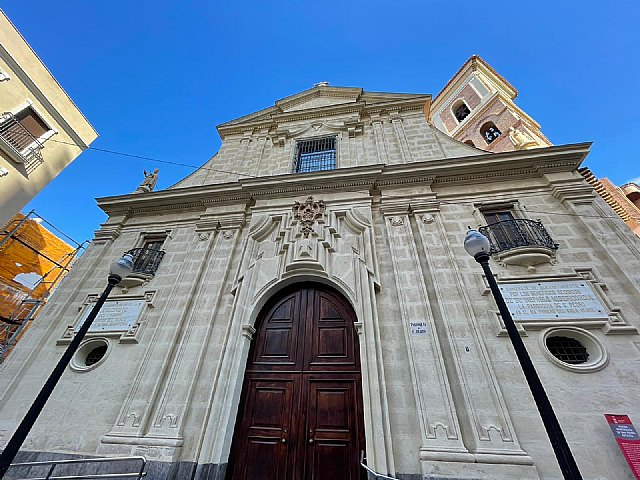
{"x":567,"y":300}
{"x":115,"y":316}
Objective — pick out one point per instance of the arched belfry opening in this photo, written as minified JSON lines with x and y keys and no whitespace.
{"x":300,"y":414}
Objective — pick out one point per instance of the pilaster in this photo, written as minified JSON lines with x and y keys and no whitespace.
{"x":439,"y":426}
{"x":489,"y":432}
{"x":153,"y":411}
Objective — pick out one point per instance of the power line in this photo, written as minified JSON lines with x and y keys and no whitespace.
{"x":248,"y":175}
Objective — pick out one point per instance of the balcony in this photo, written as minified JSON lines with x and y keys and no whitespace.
{"x":145,"y":264}
{"x":19,"y":143}
{"x":520,"y":242}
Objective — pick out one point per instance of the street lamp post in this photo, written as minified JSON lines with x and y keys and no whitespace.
{"x":119,"y":269}
{"x":477,"y":245}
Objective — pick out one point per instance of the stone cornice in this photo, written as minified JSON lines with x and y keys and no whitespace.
{"x":275,"y":115}
{"x":319,"y":91}
{"x":473,"y":64}
{"x":201,"y":196}
{"x":461,"y":170}
{"x":356,"y":178}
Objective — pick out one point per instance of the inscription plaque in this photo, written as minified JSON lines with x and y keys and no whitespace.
{"x":418,"y":328}
{"x":115,"y":316}
{"x":571,"y":299}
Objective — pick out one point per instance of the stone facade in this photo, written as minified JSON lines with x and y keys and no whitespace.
{"x":443,"y":394}
{"x":41,"y":129}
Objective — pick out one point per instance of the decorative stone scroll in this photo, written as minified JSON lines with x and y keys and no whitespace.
{"x":307,"y":213}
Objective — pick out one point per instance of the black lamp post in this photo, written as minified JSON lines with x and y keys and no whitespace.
{"x":477,"y":245}
{"x":119,"y":269}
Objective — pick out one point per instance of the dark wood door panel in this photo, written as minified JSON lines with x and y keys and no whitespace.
{"x":263,"y":446}
{"x":262,"y":461}
{"x":332,"y":343}
{"x":333,"y":425}
{"x":277,"y":344}
{"x":331,"y":461}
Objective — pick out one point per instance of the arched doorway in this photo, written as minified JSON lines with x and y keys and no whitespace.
{"x":300,"y":414}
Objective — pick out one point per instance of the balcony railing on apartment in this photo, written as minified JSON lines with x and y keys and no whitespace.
{"x":25,"y":147}
{"x":516,"y":233}
{"x":146,"y":260}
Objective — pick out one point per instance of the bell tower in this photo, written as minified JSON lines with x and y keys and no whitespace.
{"x":477,"y":107}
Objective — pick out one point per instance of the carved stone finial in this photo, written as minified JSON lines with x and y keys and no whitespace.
{"x":149,"y":182}
{"x":307,"y":213}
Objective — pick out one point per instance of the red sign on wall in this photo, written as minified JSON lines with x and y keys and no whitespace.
{"x":628,"y":440}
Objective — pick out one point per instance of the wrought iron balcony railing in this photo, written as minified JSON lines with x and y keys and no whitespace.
{"x":146,"y":260}
{"x":516,"y":233}
{"x":26,"y":148}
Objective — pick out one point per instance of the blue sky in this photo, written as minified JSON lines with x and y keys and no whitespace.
{"x":155,"y":77}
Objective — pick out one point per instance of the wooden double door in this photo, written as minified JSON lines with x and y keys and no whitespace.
{"x":300,"y":415}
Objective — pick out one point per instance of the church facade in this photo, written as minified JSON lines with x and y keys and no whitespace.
{"x":303,"y":303}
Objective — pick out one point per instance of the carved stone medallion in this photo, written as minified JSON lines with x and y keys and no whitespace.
{"x":307,"y":213}
{"x":396,"y":221}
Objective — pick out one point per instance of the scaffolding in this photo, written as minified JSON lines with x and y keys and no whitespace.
{"x":28,"y":302}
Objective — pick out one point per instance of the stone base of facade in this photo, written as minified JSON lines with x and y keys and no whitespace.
{"x":156,"y":470}
{"x":477,"y":471}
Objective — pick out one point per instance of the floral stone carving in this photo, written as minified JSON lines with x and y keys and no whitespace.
{"x":307,"y":213}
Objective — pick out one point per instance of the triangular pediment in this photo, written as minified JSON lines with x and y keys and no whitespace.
{"x":322,"y":97}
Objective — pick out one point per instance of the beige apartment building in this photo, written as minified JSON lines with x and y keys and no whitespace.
{"x":304,"y":298}
{"x":41,"y":129}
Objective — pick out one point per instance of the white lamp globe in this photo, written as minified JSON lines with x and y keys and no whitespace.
{"x":476,"y":243}
{"x":123,"y":266}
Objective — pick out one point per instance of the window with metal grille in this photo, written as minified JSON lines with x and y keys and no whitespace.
{"x":95,"y":355}
{"x":23,"y":128}
{"x":315,"y":155}
{"x":147,"y":258}
{"x":567,"y":350}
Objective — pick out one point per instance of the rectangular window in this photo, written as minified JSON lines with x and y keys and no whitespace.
{"x":22,"y":129}
{"x":154,"y":244}
{"x":495,"y":217}
{"x":315,"y":155}
{"x":147,"y":258}
{"x":22,"y":135}
{"x":504,"y":230}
